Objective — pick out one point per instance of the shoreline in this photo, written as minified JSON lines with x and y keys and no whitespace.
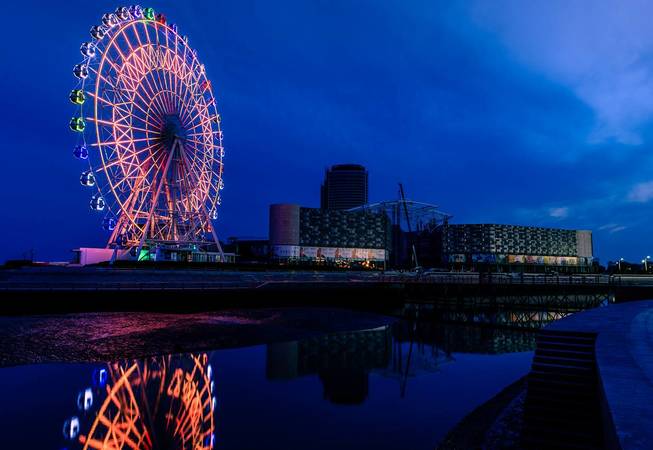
{"x":494,"y":424}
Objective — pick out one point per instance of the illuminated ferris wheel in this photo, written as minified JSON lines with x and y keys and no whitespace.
{"x":148,"y":125}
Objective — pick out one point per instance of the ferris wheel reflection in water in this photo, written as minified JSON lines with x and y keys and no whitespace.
{"x":159,"y":402}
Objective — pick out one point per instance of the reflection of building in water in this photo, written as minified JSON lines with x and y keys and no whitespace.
{"x":342,"y":361}
{"x":159,"y":402}
{"x":413,"y":358}
{"x":532,"y":311}
{"x":409,"y":348}
{"x":465,"y":338}
{"x":490,"y":324}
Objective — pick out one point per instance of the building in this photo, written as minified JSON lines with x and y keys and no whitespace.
{"x":160,"y":253}
{"x":329,"y":236}
{"x":344,"y":187}
{"x":516,"y":248}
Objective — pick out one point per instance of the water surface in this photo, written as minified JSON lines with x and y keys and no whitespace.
{"x":395,"y":385}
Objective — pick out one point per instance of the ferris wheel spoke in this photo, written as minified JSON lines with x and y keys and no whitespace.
{"x":98,"y":144}
{"x":119,"y":125}
{"x":197,"y":173}
{"x":195,"y":141}
{"x":145,"y":102}
{"x":155,"y":48}
{"x":151,"y":90}
{"x":119,"y":73}
{"x":200,"y":113}
{"x":172,"y":75}
{"x":135,"y":154}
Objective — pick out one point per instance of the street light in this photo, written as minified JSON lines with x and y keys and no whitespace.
{"x":620,"y":261}
{"x":645,"y":261}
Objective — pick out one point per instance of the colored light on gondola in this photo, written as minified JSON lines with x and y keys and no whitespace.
{"x":87,"y":179}
{"x":100,"y":378}
{"x":148,"y":13}
{"x":136,"y":11}
{"x":97,"y":203}
{"x":110,"y":20}
{"x":109,"y":223}
{"x":80,"y":152}
{"x":80,"y":71}
{"x":77,"y":96}
{"x":71,"y":428}
{"x":77,"y":124}
{"x":97,"y":32}
{"x":122,"y":12}
{"x":87,"y":49}
{"x":85,"y":399}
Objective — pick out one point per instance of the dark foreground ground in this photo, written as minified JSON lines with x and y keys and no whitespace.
{"x":116,"y":335}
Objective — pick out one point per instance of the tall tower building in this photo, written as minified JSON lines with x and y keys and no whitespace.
{"x":344,"y":187}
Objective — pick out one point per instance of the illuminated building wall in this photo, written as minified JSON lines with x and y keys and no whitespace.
{"x":319,"y":234}
{"x":471,"y":244}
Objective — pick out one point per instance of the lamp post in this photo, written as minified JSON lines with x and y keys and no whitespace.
{"x":645,"y":261}
{"x":620,"y":261}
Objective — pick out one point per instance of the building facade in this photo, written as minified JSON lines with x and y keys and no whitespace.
{"x":344,"y":187}
{"x":329,"y":236}
{"x":516,"y":247}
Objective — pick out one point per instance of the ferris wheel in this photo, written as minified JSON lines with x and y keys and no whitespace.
{"x":148,"y":125}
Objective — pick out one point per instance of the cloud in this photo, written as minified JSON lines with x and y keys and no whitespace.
{"x":601,"y":52}
{"x":559,"y":213}
{"x":612,"y":228}
{"x":641,"y":192}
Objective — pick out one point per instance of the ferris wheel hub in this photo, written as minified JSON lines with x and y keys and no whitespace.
{"x":173,"y":130}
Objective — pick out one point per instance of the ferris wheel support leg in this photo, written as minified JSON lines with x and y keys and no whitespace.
{"x":215,"y":237}
{"x":114,"y":237}
{"x":154,"y":200}
{"x":206,"y":213}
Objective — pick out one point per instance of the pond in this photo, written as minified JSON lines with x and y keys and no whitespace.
{"x":375,"y":383}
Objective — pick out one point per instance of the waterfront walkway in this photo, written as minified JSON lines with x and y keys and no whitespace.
{"x":624,"y":366}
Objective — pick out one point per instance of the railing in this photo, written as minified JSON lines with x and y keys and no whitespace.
{"x":498,"y":278}
{"x":249,"y":281}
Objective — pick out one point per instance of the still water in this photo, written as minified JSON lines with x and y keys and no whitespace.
{"x":398,"y":384}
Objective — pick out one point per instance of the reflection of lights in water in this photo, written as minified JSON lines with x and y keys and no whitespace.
{"x":161,"y":402}
{"x":85,"y":399}
{"x":71,"y":428}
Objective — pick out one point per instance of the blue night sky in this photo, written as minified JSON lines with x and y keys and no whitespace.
{"x":507,"y":111}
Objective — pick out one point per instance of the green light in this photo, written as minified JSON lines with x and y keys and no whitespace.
{"x":77,"y":96}
{"x":149,"y":13}
{"x":144,"y":255}
{"x":77,"y":124}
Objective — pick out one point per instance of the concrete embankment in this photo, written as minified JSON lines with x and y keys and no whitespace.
{"x":591,"y":385}
{"x":51,"y":289}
